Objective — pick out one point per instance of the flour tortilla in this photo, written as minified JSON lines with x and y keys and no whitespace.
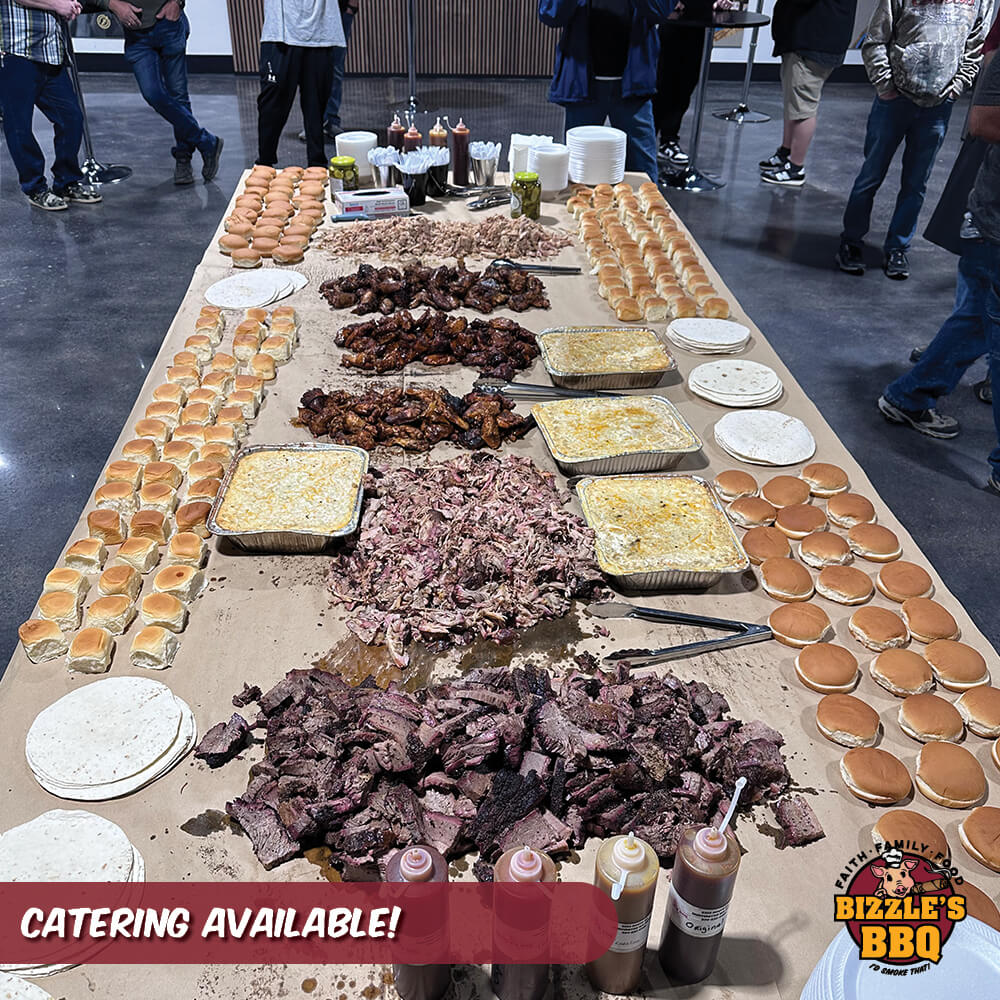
{"x":734,"y":378}
{"x":738,"y":402}
{"x":15,"y":988}
{"x":765,"y":437}
{"x":110,"y":729}
{"x":249,"y":290}
{"x":707,"y":332}
{"x":297,"y":278}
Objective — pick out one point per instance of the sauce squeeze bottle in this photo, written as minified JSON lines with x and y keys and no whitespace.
{"x":460,"y":154}
{"x":437,"y":135}
{"x":395,"y":133}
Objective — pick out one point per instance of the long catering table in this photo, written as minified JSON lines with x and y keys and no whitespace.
{"x":261,"y":616}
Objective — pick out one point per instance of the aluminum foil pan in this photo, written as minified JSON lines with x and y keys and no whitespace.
{"x":628,"y":462}
{"x":604,"y":380}
{"x":668,"y":577}
{"x":294,"y":540}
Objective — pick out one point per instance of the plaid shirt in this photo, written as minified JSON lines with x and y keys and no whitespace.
{"x":31,"y":33}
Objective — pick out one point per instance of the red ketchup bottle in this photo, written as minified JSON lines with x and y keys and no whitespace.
{"x":460,"y":154}
{"x":421,"y":863}
{"x":395,"y":133}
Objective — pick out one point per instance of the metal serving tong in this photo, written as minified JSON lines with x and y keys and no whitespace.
{"x":537,"y":268}
{"x":501,"y":197}
{"x":744,"y":633}
{"x":525,"y":390}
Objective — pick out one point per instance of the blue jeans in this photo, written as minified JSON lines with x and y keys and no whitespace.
{"x":331,"y":117}
{"x":889,"y":124}
{"x":972,"y":330}
{"x":158,"y":59}
{"x":633,"y":115}
{"x":25,"y":85}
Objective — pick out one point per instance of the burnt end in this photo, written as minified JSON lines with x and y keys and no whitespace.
{"x":224,"y":741}
{"x":798,"y":821}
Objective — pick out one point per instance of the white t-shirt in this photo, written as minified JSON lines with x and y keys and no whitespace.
{"x":309,"y":23}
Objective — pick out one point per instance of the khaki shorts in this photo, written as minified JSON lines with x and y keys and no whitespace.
{"x":801,"y":85}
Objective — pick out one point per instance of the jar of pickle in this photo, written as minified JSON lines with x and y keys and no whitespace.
{"x":525,"y":195}
{"x":343,"y":174}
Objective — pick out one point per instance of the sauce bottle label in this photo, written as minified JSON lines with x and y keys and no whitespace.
{"x":697,"y":921}
{"x":632,"y":936}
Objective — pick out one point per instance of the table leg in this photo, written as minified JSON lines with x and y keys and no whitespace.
{"x":742,"y":114}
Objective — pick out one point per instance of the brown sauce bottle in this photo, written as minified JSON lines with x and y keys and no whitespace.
{"x":460,"y":154}
{"x":395,"y":133}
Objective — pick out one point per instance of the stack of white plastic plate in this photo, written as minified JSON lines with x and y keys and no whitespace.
{"x":253,"y":289}
{"x":596,"y":154}
{"x":109,"y":738}
{"x":765,"y":437}
{"x":736,"y":382}
{"x":708,"y":336}
{"x":66,"y":846}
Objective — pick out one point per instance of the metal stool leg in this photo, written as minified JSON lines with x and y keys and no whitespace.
{"x":742,"y":114}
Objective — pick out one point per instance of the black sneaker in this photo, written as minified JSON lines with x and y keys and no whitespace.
{"x":210,"y":161}
{"x":80,"y":193}
{"x":671,"y":153}
{"x":896,"y":266}
{"x":49,"y":201}
{"x":787,"y":175}
{"x":183,"y":174}
{"x":928,"y":422}
{"x":775,"y":160}
{"x":850,"y":259}
{"x":917,"y":353}
{"x":984,"y":390}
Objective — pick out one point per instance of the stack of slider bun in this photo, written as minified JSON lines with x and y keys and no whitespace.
{"x":646,"y":267}
{"x":816,"y":545}
{"x":275,"y":216}
{"x":141,"y":566}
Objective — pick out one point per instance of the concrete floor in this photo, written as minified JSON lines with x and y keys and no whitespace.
{"x":86,"y":296}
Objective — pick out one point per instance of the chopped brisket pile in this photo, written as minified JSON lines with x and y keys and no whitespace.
{"x":224,"y":740}
{"x":415,"y":419}
{"x":497,"y":347}
{"x":386,"y":289}
{"x":499,"y":758}
{"x":797,"y":820}
{"x":450,"y":552}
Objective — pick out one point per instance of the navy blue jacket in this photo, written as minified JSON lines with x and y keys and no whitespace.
{"x":572,"y":77}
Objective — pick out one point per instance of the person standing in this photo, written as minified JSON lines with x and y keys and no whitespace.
{"x":920,"y":57}
{"x":812,"y":38}
{"x":677,"y":73}
{"x":296,"y":53}
{"x":33,"y":73}
{"x":156,"y":34}
{"x":605,"y":68}
{"x":332,"y":126}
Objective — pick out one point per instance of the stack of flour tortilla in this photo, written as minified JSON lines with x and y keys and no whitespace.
{"x":708,"y":336}
{"x":65,"y":846}
{"x":736,"y":382}
{"x":109,"y":738}
{"x":765,"y":437}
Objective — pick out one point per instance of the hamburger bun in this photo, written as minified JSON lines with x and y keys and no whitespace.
{"x":949,"y":775}
{"x":824,"y":548}
{"x":765,"y":543}
{"x":956,"y":666}
{"x":875,"y":775}
{"x":902,"y":580}
{"x":285,"y":253}
{"x":980,"y":836}
{"x":926,"y":718}
{"x":827,"y":668}
{"x":824,"y":479}
{"x":848,"y":509}
{"x":247,"y":257}
{"x":799,"y":625}
{"x":785,"y":491}
{"x":799,"y":520}
{"x":874,"y":542}
{"x":995,"y":753}
{"x":844,"y":584}
{"x":847,"y":720}
{"x":901,"y":672}
{"x":232,"y":241}
{"x":979,"y":707}
{"x":979,"y":905}
{"x":733,"y":484}
{"x":927,"y":620}
{"x":785,"y":579}
{"x":751,"y":512}
{"x":878,"y":629}
{"x":912,"y":831}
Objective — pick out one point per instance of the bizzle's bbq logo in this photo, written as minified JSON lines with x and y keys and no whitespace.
{"x":899,"y":908}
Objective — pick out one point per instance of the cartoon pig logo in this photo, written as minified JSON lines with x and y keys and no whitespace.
{"x":895,"y":871}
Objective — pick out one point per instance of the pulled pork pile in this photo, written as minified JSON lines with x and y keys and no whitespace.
{"x":498,"y":347}
{"x":386,"y":289}
{"x":500,"y":758}
{"x":414,"y":419}
{"x":450,"y":552}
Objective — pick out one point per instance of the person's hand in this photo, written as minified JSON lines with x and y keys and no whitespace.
{"x":171,"y":10}
{"x":129,"y":15}
{"x":890,"y":95}
{"x":66,"y":9}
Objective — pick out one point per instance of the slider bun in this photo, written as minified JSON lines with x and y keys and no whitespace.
{"x":980,"y":835}
{"x":800,"y":520}
{"x":66,"y":578}
{"x":844,"y":584}
{"x":878,"y":629}
{"x":979,"y":905}
{"x":206,"y":470}
{"x":824,"y":548}
{"x":927,"y":620}
{"x":875,"y":775}
{"x":246,"y":258}
{"x":901,"y":672}
{"x":42,"y":640}
{"x":120,"y":579}
{"x":751,"y":512}
{"x":900,"y":580}
{"x":163,"y":472}
{"x":262,"y":365}
{"x":165,"y":610}
{"x":949,"y":775}
{"x":142,"y":450}
{"x":203,"y":489}
{"x":827,"y":668}
{"x":628,"y":310}
{"x":765,"y":543}
{"x":848,"y":509}
{"x":123,"y":471}
{"x":926,"y":717}
{"x":153,"y":648}
{"x":192,"y":517}
{"x":117,"y":495}
{"x":799,"y":625}
{"x":90,"y":651}
{"x":874,"y":542}
{"x":912,"y":830}
{"x":179,"y":454}
{"x":107,"y":525}
{"x":187,"y":548}
{"x":111,"y":613}
{"x":61,"y":607}
{"x":824,"y":479}
{"x":683,"y":307}
{"x":86,"y":555}
{"x":152,"y":524}
{"x":979,"y":708}
{"x":847,"y":720}
{"x":655,"y":309}
{"x":785,"y":491}
{"x":184,"y":582}
{"x":141,"y":554}
{"x":785,"y":579}
{"x":733,"y":484}
{"x":715,"y":307}
{"x":956,"y":666}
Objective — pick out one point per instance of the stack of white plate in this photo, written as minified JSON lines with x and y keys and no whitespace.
{"x":596,"y":154}
{"x":254,"y":289}
{"x":109,"y":738}
{"x":765,"y":437}
{"x":736,"y":382}
{"x":708,"y":336}
{"x":66,"y":846}
{"x":16,"y":988}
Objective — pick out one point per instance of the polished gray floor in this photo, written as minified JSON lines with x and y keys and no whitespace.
{"x":86,"y":296}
